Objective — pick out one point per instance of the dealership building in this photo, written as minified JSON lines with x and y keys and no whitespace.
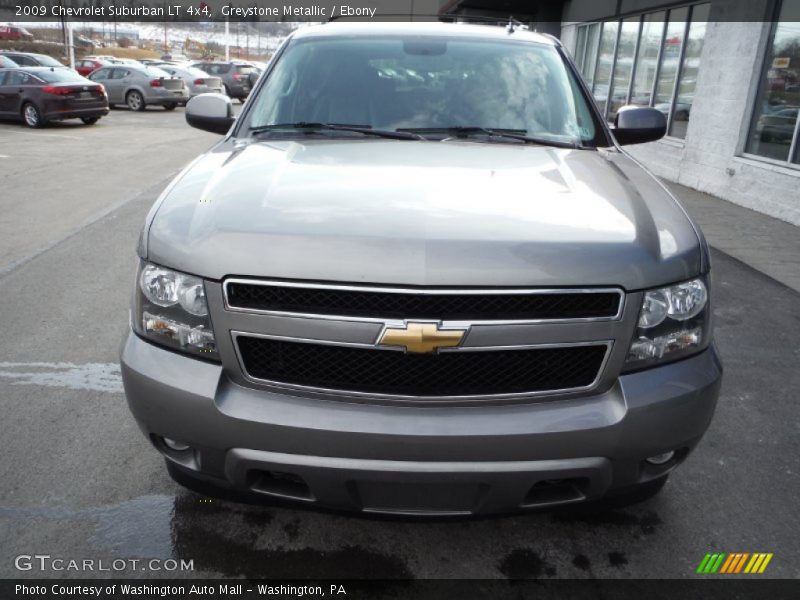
{"x":725,"y":73}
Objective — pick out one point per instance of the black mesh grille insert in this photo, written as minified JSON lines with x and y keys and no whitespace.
{"x":410,"y":305}
{"x":445,"y":374}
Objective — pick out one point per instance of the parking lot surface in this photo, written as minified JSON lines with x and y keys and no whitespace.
{"x":78,"y":480}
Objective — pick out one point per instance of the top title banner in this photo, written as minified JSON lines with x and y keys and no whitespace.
{"x":214,"y":10}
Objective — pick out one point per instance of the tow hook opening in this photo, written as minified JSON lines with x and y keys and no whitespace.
{"x":556,"y":491}
{"x":277,"y":483}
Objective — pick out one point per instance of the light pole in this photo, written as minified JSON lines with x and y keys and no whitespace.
{"x":227,"y":38}
{"x":166,"y":47}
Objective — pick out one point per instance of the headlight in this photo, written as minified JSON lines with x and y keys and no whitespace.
{"x":171,"y":309}
{"x":673,"y":323}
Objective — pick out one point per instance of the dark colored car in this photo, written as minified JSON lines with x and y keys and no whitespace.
{"x":235,"y":76}
{"x":38,"y":95}
{"x":7,"y":63}
{"x":30,"y":59}
{"x":87,"y":65}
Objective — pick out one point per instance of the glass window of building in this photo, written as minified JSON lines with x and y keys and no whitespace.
{"x":774,"y":129}
{"x":605,"y":63}
{"x":647,"y":59}
{"x":580,"y":47}
{"x":590,"y":53}
{"x":690,"y":66}
{"x":670,"y":59}
{"x":623,"y":65}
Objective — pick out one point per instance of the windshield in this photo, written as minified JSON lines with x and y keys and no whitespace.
{"x":425,"y":83}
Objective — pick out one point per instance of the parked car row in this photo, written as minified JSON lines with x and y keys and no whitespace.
{"x":235,"y":78}
{"x":37,"y":89}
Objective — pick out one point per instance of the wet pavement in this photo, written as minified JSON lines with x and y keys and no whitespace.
{"x":78,"y":479}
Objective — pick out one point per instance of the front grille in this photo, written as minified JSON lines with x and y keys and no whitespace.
{"x":375,"y":303}
{"x":392,"y":372}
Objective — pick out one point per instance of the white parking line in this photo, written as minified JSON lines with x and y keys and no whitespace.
{"x":40,"y":134}
{"x":100,"y":377}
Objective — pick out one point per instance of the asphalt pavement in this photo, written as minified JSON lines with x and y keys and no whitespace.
{"x":79,"y":480}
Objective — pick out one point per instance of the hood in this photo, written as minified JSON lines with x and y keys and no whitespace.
{"x":422,"y":213}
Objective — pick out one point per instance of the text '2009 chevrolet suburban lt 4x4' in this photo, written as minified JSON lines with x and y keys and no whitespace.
{"x":418,"y":275}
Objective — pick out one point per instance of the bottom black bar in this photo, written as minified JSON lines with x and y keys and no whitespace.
{"x":733,"y":588}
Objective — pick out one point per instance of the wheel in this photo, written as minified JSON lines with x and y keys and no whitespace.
{"x":635,"y":494}
{"x":135,"y":101}
{"x":33,"y":116}
{"x":90,"y":120}
{"x":170,"y":106}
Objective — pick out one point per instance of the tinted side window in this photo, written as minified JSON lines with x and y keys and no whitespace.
{"x":19,"y":78}
{"x":99,"y":75}
{"x":26,"y":61}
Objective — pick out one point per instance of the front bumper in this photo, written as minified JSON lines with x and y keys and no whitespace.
{"x":404,"y":459}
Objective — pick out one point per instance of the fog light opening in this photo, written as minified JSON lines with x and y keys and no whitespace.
{"x":175,"y":445}
{"x":661,"y":459}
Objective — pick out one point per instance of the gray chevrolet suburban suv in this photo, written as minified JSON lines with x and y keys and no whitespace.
{"x":419,"y":275}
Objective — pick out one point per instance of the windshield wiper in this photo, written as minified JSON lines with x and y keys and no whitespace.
{"x":513,"y":134}
{"x":310,"y":127}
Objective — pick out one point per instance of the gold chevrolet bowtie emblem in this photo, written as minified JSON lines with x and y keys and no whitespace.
{"x":421,"y":337}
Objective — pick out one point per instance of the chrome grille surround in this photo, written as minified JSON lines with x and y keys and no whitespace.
{"x":230,"y":323}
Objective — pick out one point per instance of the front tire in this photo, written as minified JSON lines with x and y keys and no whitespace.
{"x":135,"y":101}
{"x":170,"y":106}
{"x":90,"y":120}
{"x":32,"y":116}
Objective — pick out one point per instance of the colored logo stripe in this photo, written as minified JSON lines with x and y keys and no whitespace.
{"x":734,"y":562}
{"x":711,"y":563}
{"x":758,"y":563}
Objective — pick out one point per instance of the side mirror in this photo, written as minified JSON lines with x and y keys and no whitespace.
{"x":210,"y":112}
{"x":636,"y":125}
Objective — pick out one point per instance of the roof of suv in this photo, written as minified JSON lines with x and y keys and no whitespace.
{"x":372,"y":28}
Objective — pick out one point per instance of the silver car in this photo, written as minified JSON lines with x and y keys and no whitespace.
{"x":420,"y":275}
{"x":197,"y":81}
{"x":139,"y":86}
